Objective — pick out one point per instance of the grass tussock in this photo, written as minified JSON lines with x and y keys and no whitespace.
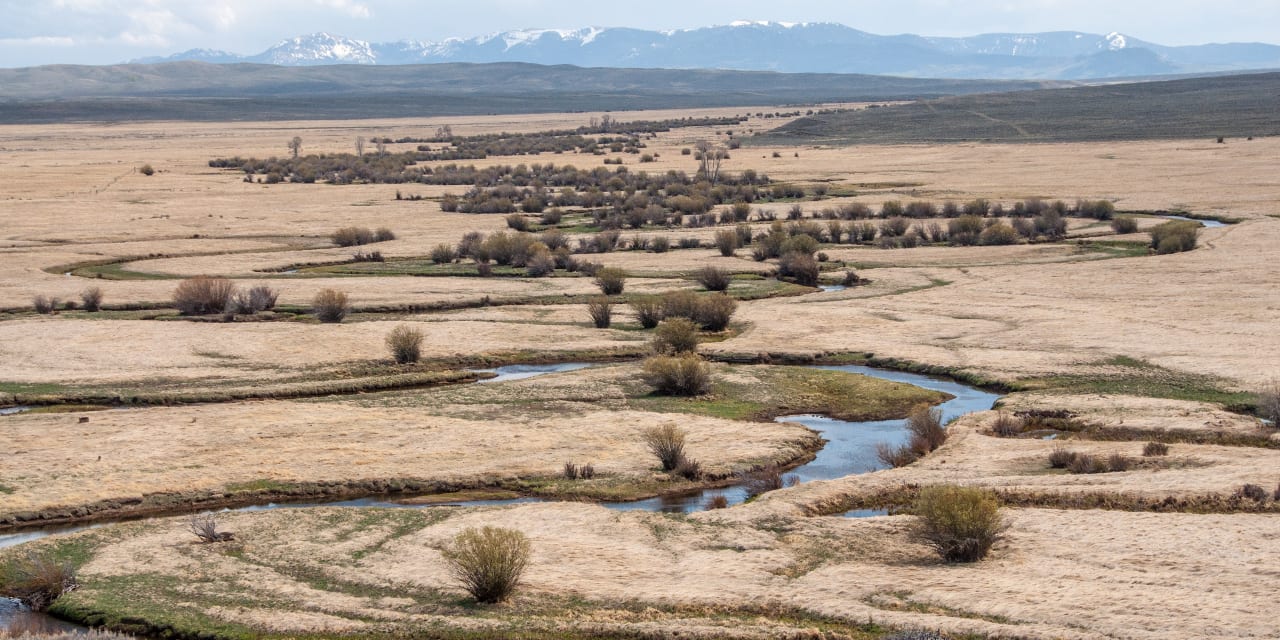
{"x":960,"y":523}
{"x":488,"y":562}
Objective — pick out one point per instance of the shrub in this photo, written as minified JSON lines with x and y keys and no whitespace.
{"x":714,"y":311}
{"x":800,"y":267}
{"x":727,"y":241}
{"x":1175,"y":236}
{"x":1006,"y":425}
{"x":147,"y":170}
{"x":763,"y":480}
{"x":1117,"y":462}
{"x":960,"y":523}
{"x":1154,"y":449}
{"x":36,"y":579}
{"x":667,"y":443}
{"x":680,"y":303}
{"x":551,"y":217}
{"x":330,"y":305}
{"x":1061,"y":458}
{"x":611,"y":280}
{"x":484,"y":269}
{"x":540,"y":264}
{"x":601,"y":312}
{"x":648,"y":310}
{"x":352,"y":236}
{"x":998,"y":234}
{"x":660,"y":244}
{"x":517,"y":222}
{"x":688,"y":468}
{"x":894,"y":457}
{"x":1269,"y":404}
{"x":91,"y":299}
{"x":925,"y":426}
{"x":675,"y":335}
{"x":488,"y":562}
{"x":1253,"y":492}
{"x":203,"y":295}
{"x":405,"y":343}
{"x":850,"y":278}
{"x":372,"y":256}
{"x":1124,"y":224}
{"x":717,"y":502}
{"x":1084,"y":463}
{"x":43,"y":304}
{"x":575,"y":472}
{"x":383,"y":234}
{"x":443,"y":254}
{"x":680,"y":375}
{"x":713,"y":278}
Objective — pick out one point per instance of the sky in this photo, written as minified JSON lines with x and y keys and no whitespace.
{"x":35,"y":32}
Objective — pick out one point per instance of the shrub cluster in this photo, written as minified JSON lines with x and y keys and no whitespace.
{"x":356,"y":236}
{"x":1175,"y":236}
{"x":1083,"y":463}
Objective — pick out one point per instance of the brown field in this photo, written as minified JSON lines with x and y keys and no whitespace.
{"x":1135,"y":347}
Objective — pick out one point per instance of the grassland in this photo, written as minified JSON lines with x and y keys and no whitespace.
{"x":1132,"y":347}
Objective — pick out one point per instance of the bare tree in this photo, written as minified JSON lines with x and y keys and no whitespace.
{"x":444,"y":132}
{"x":295,"y":146}
{"x":710,"y":156}
{"x":360,"y":141}
{"x":381,"y":145}
{"x":606,"y":121}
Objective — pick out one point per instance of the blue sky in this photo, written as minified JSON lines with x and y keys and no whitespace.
{"x":109,"y":31}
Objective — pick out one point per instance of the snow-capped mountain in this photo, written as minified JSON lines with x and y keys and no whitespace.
{"x":789,"y":47}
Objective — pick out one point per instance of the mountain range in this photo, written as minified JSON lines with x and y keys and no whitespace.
{"x":784,"y":47}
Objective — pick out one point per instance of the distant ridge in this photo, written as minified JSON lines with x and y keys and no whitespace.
{"x":786,"y":47}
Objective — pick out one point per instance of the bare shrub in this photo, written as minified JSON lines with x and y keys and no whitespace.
{"x":443,"y":254}
{"x":352,"y":236}
{"x":36,"y":579}
{"x":1006,"y":425}
{"x":405,"y":344}
{"x":714,"y":311}
{"x":488,"y":562}
{"x":330,"y":305}
{"x":611,"y":280}
{"x":257,"y":298}
{"x":713,"y":278}
{"x":44,"y":304}
{"x":1124,"y":224}
{"x":1084,"y":463}
{"x":727,"y":242}
{"x":896,"y":456}
{"x":601,"y":312}
{"x":147,"y":170}
{"x":675,"y":335}
{"x":1155,"y":449}
{"x":765,"y":479}
{"x":1061,"y":458}
{"x":851,"y":278}
{"x":1253,"y":492}
{"x":717,"y":502}
{"x":383,"y":234}
{"x":682,"y":375}
{"x":1117,"y":462}
{"x":688,"y":468}
{"x":666,"y":443}
{"x":540,"y":264}
{"x":998,"y":234}
{"x":91,"y":299}
{"x":799,"y":267}
{"x":660,"y":244}
{"x":960,"y":523}
{"x":927,"y":433}
{"x":648,"y":310}
{"x":517,"y":222}
{"x":205,"y":527}
{"x":203,"y":295}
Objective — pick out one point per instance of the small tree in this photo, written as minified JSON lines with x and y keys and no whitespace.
{"x":330,"y":305}
{"x":667,"y":443}
{"x":488,"y":562}
{"x":405,"y":343}
{"x":295,"y":146}
{"x":360,"y":142}
{"x":960,"y":523}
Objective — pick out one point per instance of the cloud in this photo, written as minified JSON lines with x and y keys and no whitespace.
{"x":353,"y":9}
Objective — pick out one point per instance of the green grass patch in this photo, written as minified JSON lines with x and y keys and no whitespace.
{"x":1123,"y":375}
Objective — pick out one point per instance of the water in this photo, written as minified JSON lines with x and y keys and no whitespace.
{"x":523,"y":371}
{"x":9,"y":411}
{"x":1208,"y":224}
{"x":832,"y":288}
{"x":850,"y":450}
